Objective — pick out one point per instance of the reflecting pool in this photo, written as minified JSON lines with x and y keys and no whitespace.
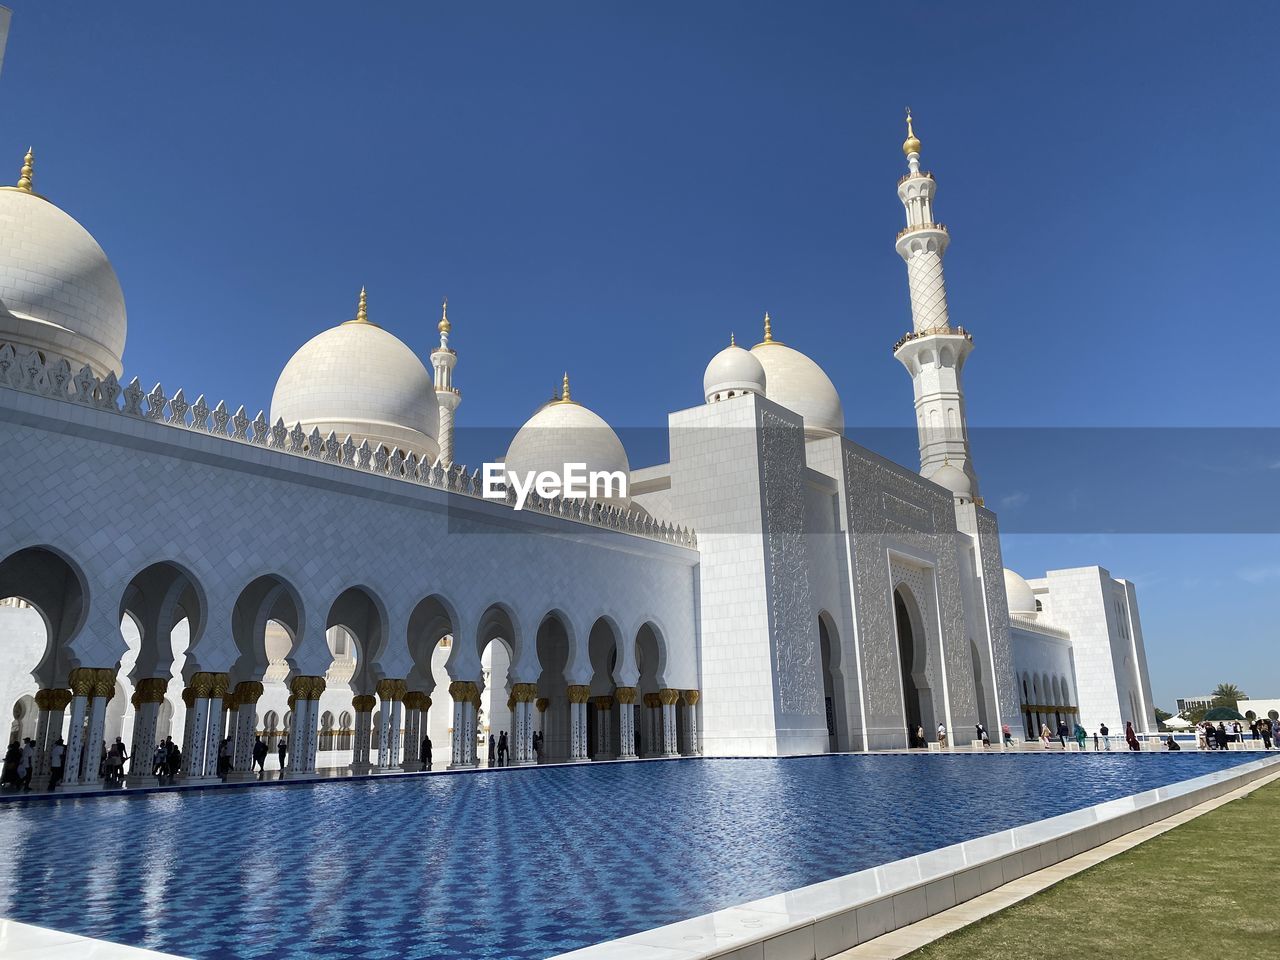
{"x":514,"y":863}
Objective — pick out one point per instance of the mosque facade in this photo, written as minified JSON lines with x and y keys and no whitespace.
{"x":326,"y":574}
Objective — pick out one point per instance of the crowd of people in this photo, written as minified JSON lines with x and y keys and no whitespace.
{"x":1220,"y":737}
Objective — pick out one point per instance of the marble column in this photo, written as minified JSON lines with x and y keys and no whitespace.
{"x":198,"y":728}
{"x":217,"y":723}
{"x":413,"y":716}
{"x":626,"y":697}
{"x":578,"y":697}
{"x":247,"y":694}
{"x":692,"y":747}
{"x":650,"y":716}
{"x":524,"y":695}
{"x":541,"y":704}
{"x":81,"y":681}
{"x":312,"y":738}
{"x":463,"y":741}
{"x":669,"y":698}
{"x":188,"y":726}
{"x":148,"y":697}
{"x":104,"y":687}
{"x":604,"y":735}
{"x":363,"y":706}
{"x":390,"y":693}
{"x":296,"y":757}
{"x":52,"y":702}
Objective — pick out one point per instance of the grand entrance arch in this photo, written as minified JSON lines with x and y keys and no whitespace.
{"x":917,"y":698}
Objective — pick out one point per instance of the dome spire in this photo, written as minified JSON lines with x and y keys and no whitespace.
{"x":912,"y":143}
{"x":731,"y":340}
{"x":768,"y":329}
{"x":362,"y":310}
{"x":444,"y":326}
{"x":565,"y":396}
{"x":27,"y":176}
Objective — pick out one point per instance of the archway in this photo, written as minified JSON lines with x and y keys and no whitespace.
{"x":832,"y":684}
{"x":430,"y":637}
{"x":651,"y":662}
{"x":917,"y":699}
{"x":603,"y":730}
{"x":553,"y":688}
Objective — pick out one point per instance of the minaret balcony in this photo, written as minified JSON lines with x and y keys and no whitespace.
{"x":918,"y":175}
{"x":921,"y":227}
{"x":932,"y":332}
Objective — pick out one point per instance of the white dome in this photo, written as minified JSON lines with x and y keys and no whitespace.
{"x":563,"y":432}
{"x":59,"y":287}
{"x":733,"y":370}
{"x":800,"y":385}
{"x":1021,"y":598}
{"x":358,"y":379}
{"x":954,"y":479}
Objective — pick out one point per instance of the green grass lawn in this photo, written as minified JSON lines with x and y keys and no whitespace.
{"x":1206,"y":889}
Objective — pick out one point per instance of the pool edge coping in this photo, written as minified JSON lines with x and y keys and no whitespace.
{"x":818,"y":921}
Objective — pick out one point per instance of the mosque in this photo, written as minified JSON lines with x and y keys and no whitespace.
{"x":326,"y":574}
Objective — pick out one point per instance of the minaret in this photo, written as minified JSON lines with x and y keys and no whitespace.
{"x":442,"y":361}
{"x":934,"y":351}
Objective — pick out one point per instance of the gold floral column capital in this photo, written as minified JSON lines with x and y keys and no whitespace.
{"x":189,"y":696}
{"x":81,"y":681}
{"x":152,"y":689}
{"x":202,"y":684}
{"x":389,"y":689}
{"x":464,"y":691}
{"x":625,"y":695}
{"x":248,"y":691}
{"x":603,"y":703}
{"x":668,"y":696}
{"x":104,"y":682}
{"x":691,"y":697}
{"x":363,"y":703}
{"x":579,"y":693}
{"x":651,"y":700}
{"x":542,"y":703}
{"x":525,"y":692}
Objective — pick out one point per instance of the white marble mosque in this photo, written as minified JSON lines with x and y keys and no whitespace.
{"x":327,"y":574}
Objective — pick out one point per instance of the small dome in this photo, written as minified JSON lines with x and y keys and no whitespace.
{"x":1022,"y":600}
{"x":358,"y":379}
{"x":954,"y":479}
{"x":563,"y":432}
{"x":61,"y":292}
{"x":733,"y":370}
{"x":800,"y":385}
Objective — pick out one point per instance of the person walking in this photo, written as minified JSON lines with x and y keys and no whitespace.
{"x":1007,"y":733}
{"x":503,"y":749}
{"x":1095,"y":741}
{"x":1063,"y":732}
{"x":260,"y":755}
{"x":173,"y":757}
{"x":942,"y":736}
{"x":26,"y":764}
{"x":282,"y":748}
{"x":1253,"y":730}
{"x":1045,"y":735}
{"x":57,"y":757}
{"x":160,"y":764}
{"x":224,"y":757}
{"x":1220,"y":735}
{"x":1080,"y":735}
{"x":1264,"y":727}
{"x":116,"y":757}
{"x":1130,"y":737}
{"x":493,"y":750}
{"x":425,"y":754}
{"x":1106,"y":736}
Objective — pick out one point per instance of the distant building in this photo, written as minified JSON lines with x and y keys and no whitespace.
{"x":1254,"y":709}
{"x":1195,"y":703}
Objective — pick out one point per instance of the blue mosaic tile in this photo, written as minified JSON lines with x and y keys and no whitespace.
{"x":519,"y":865}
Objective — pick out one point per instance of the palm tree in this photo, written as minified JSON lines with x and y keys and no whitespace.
{"x":1227,"y":694}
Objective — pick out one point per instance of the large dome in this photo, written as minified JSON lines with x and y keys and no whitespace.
{"x":800,"y":385}
{"x":59,"y":287}
{"x":358,"y":379}
{"x":1022,"y":600}
{"x":561,"y":432}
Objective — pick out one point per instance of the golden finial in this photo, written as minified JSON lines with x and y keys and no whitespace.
{"x":362,"y":311}
{"x":768,"y":328}
{"x":912,"y":143}
{"x":26,"y":179}
{"x":564,"y":388}
{"x":731,"y":342}
{"x":444,"y":326}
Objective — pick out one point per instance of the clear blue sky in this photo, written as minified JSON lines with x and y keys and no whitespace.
{"x":613,"y":188}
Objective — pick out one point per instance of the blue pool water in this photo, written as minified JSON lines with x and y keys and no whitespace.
{"x":513,"y":864}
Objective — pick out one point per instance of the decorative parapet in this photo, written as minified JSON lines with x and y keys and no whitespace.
{"x":920,"y":227}
{"x":23,"y":368}
{"x":1035,"y":626}
{"x":933,"y":332}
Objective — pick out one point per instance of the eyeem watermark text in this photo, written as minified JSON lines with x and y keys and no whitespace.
{"x":575,"y":482}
